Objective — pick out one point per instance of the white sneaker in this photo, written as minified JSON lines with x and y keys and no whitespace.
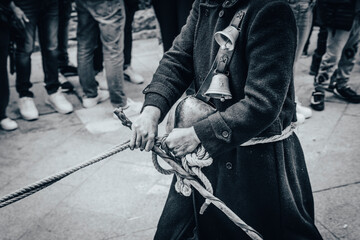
{"x":59,"y":102}
{"x":28,"y":109}
{"x":8,"y":124}
{"x":132,"y":76}
{"x":300,"y":118}
{"x":132,"y":107}
{"x":91,"y":102}
{"x":305,"y":111}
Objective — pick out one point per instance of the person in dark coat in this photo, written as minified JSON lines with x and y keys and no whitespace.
{"x":267,"y":185}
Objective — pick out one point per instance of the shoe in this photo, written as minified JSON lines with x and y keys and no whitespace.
{"x":348,"y":94}
{"x":65,"y":85}
{"x":68,"y":70}
{"x":318,"y":100}
{"x":100,"y":77}
{"x":8,"y":124}
{"x":132,"y":107}
{"x":28,"y":110}
{"x":305,"y":111}
{"x":59,"y":102}
{"x":300,"y":119}
{"x":91,"y":102}
{"x":131,"y":76}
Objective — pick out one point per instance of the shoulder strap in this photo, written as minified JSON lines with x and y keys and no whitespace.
{"x":223,"y":55}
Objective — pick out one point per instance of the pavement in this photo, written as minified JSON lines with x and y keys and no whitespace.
{"x":122,"y":197}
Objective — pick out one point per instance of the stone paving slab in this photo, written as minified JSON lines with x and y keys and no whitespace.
{"x":338,"y":210}
{"x":18,"y":218}
{"x":339,"y":157}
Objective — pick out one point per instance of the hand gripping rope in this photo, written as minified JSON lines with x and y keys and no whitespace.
{"x":187,"y":171}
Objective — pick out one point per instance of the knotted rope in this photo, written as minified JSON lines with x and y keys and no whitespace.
{"x":187,"y":170}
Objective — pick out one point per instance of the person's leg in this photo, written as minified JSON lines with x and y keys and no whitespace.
{"x":346,"y":65}
{"x":319,"y":51}
{"x":131,"y":7}
{"x":87,"y":35}
{"x":335,"y":43}
{"x":5,"y":122}
{"x":110,"y":16}
{"x":25,"y":40}
{"x":4,"y":80}
{"x":63,"y":32}
{"x":165,"y":12}
{"x":48,"y":39}
{"x":347,"y":60}
{"x":303,"y":12}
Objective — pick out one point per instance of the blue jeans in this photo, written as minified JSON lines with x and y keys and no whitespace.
{"x":108,"y":17}
{"x":303,"y":12}
{"x":63,"y":31}
{"x":42,"y":14}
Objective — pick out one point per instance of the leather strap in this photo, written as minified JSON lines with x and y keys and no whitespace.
{"x":222,"y":59}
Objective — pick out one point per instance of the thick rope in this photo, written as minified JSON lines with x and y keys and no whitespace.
{"x":37,"y":186}
{"x":191,"y":166}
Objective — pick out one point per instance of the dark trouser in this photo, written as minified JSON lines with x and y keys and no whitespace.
{"x":42,"y":14}
{"x":131,"y":7}
{"x":320,"y":50}
{"x":172,"y":17}
{"x":63,"y":32}
{"x":4,"y":80}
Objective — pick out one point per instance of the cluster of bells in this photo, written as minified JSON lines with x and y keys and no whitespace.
{"x":219,"y":86}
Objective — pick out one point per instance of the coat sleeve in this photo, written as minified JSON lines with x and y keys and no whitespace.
{"x":176,"y":69}
{"x":270,"y":50}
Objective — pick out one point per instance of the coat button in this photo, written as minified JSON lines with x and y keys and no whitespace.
{"x":225,"y":134}
{"x":229,"y":165}
{"x":221,"y":13}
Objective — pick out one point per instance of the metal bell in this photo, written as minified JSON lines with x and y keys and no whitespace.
{"x":227,"y":37}
{"x":219,"y":87}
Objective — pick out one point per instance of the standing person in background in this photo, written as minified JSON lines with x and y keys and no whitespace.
{"x":41,"y":15}
{"x":65,"y":66}
{"x":171,"y":15}
{"x":303,"y":12}
{"x":342,"y":19}
{"x":260,"y":79}
{"x":320,"y":43}
{"x":319,"y":51}
{"x":106,"y":18}
{"x":5,"y":122}
{"x":131,"y":6}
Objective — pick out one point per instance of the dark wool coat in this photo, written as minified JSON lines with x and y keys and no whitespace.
{"x":267,"y":185}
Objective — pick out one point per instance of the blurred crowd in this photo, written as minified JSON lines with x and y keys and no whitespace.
{"x":104,"y":43}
